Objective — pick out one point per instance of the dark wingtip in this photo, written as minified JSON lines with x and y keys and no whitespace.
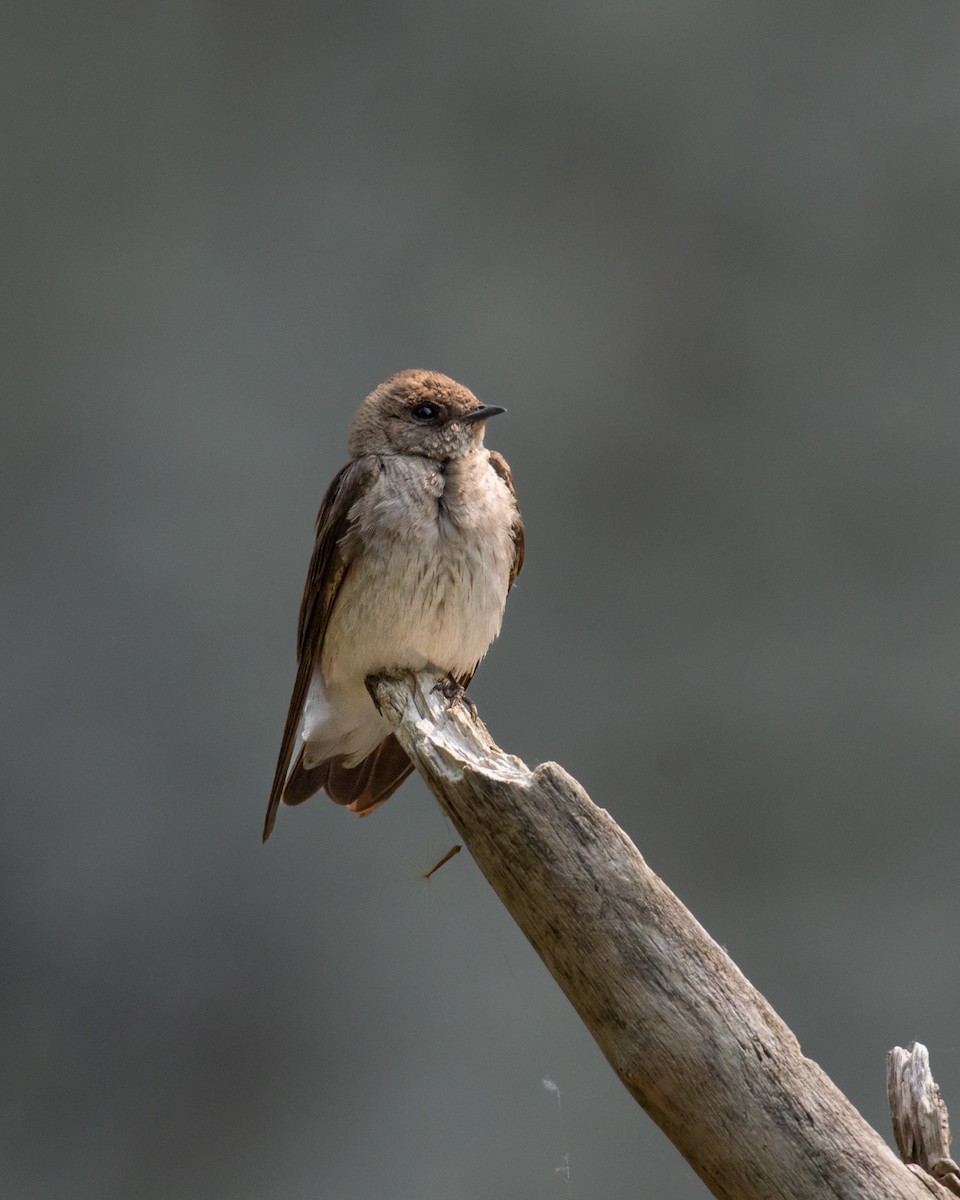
{"x":269,"y":821}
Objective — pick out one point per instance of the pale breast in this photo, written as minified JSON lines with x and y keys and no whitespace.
{"x":431,"y":554}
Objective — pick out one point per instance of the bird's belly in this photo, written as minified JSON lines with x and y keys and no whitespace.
{"x":434,"y":602}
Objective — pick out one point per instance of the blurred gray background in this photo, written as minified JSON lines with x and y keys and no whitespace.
{"x":707,"y":255}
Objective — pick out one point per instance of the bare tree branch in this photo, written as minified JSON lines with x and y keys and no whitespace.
{"x":921,"y":1124}
{"x":695,"y":1044}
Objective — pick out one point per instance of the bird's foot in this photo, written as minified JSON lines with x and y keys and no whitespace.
{"x":455,"y":693}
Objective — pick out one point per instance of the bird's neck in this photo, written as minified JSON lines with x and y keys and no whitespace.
{"x":458,"y":473}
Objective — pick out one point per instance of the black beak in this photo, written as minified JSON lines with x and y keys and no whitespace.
{"x":481,"y":414}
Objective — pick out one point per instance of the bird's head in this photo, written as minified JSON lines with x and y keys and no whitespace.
{"x":420,"y":413}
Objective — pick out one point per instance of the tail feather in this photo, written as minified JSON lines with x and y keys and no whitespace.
{"x":304,"y":782}
{"x":367,"y":785}
{"x":343,"y":782}
{"x":361,"y":788}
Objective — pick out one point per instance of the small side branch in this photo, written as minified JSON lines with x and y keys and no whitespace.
{"x":695,"y":1044}
{"x":921,"y":1124}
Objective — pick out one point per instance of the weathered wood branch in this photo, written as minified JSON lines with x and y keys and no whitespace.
{"x":695,"y":1044}
{"x":921,"y":1124}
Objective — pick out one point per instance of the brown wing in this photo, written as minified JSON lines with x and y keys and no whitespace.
{"x":328,"y":567}
{"x":499,"y":464}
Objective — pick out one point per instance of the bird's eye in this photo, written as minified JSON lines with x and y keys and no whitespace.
{"x":426,"y":412}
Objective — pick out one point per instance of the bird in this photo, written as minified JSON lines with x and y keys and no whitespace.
{"x":419,"y":539}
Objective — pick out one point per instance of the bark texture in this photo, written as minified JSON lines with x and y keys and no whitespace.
{"x":921,"y":1124}
{"x":695,"y":1044}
